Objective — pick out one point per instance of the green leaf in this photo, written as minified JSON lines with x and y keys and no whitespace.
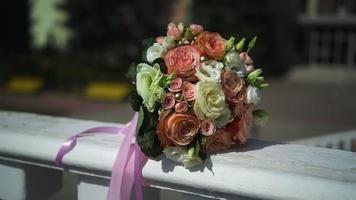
{"x":253,"y":76}
{"x":162,"y":65}
{"x":135,"y":99}
{"x":188,"y":35}
{"x":240,"y":45}
{"x":202,"y":141}
{"x":146,"y":135}
{"x":168,"y":80}
{"x":263,"y":85}
{"x":131,"y":72}
{"x":141,"y":116}
{"x":230,"y":44}
{"x":146,"y":43}
{"x":251,"y":44}
{"x":260,"y":79}
{"x":260,"y":117}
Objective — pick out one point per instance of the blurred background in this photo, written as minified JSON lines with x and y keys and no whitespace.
{"x":68,"y":58}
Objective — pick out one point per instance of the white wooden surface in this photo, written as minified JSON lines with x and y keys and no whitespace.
{"x":258,"y":170}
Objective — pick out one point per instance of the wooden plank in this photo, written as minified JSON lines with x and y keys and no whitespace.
{"x":258,"y":170}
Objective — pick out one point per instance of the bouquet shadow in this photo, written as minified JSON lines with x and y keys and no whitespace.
{"x":251,"y":145}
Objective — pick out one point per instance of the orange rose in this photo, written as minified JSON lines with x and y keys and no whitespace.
{"x":218,"y":141}
{"x":240,"y":127}
{"x":233,"y":87}
{"x":161,"y":128}
{"x":177,"y":128}
{"x":182,"y":128}
{"x":183,"y":60}
{"x":211,"y":44}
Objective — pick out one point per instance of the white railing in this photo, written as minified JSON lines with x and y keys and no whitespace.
{"x":259,"y":170}
{"x":330,"y":39}
{"x":343,"y":140}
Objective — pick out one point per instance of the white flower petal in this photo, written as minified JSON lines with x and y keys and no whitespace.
{"x":253,"y":95}
{"x":155,"y":51}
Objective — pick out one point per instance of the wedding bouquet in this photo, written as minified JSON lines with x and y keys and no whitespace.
{"x":195,"y":93}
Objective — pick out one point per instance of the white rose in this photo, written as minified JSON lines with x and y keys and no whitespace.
{"x":155,"y":51}
{"x":253,"y":94}
{"x":182,"y":155}
{"x":210,"y":71}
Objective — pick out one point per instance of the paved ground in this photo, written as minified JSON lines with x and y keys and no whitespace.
{"x":297,"y":110}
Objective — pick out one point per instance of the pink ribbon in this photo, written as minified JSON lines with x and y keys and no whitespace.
{"x":127,"y":168}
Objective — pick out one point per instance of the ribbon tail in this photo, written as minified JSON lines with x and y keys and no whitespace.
{"x":121,"y":161}
{"x":140,"y":160}
{"x":128,"y":178}
{"x":72,"y":141}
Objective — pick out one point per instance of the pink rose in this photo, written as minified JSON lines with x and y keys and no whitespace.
{"x":160,"y":39}
{"x":174,"y":31}
{"x":238,"y":108}
{"x":233,"y":86}
{"x":207,"y":127}
{"x":183,"y":61}
{"x":219,"y":141}
{"x":241,"y":126}
{"x":211,"y":44}
{"x":196,"y":29}
{"x":181,"y":107}
{"x":176,"y":85}
{"x":188,"y":91}
{"x":245,"y":58}
{"x":168,"y":101}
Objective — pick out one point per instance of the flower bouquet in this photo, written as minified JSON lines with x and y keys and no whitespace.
{"x":195,"y":93}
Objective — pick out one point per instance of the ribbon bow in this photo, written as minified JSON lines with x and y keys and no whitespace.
{"x":127,"y":168}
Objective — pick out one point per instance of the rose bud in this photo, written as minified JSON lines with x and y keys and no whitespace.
{"x":174,"y":31}
{"x":196,"y":29}
{"x":160,"y":40}
{"x":249,"y":68}
{"x":168,"y":101}
{"x":219,"y":141}
{"x":176,"y":85}
{"x":189,"y":91}
{"x":181,"y":107}
{"x":245,"y":58}
{"x":183,"y":61}
{"x":207,"y":127}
